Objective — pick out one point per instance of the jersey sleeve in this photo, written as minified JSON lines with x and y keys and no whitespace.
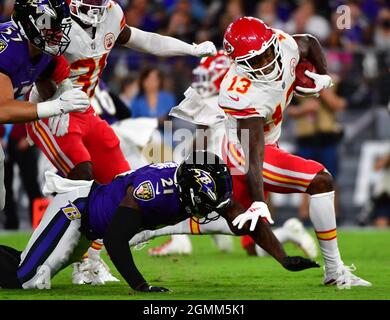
{"x":57,"y":70}
{"x":119,"y":15}
{"x":8,"y":58}
{"x":61,"y":70}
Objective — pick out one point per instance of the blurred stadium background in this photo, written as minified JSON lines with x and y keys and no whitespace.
{"x":358,"y":59}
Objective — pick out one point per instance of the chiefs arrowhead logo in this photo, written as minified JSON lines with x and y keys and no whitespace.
{"x":109,"y":40}
{"x":227,"y":46}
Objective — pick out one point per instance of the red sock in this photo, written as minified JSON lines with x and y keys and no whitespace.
{"x":246,"y":241}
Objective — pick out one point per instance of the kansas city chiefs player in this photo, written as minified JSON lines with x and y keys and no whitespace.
{"x":208,"y":76}
{"x":83,"y":146}
{"x":253,"y":94}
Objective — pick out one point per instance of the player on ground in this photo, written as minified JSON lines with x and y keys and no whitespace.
{"x":86,"y":210}
{"x":26,"y":50}
{"x":207,"y":80}
{"x":83,"y":146}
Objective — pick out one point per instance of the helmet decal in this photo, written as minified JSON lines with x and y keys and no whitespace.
{"x":228,"y":47}
{"x":206,"y":182}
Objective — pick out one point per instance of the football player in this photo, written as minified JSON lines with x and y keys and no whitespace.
{"x":208,"y":76}
{"x":253,"y":94}
{"x":27,"y":47}
{"x":83,"y":146}
{"x":86,"y":210}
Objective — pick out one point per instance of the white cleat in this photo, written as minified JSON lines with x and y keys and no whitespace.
{"x":223,"y":242}
{"x":303,"y":239}
{"x":343,"y":278}
{"x":81,"y":273}
{"x":176,"y":245}
{"x":103,"y":271}
{"x":92,"y":271}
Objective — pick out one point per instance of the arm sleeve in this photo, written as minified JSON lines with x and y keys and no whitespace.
{"x":156,"y":44}
{"x":122,"y":112}
{"x":57,"y":70}
{"x":125,"y":223}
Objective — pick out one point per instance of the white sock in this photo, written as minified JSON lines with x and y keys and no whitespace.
{"x":282,"y":235}
{"x":94,"y":250}
{"x":323,"y":217}
{"x":189,"y":226}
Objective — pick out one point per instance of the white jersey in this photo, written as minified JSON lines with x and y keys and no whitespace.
{"x":86,"y":55}
{"x":241,"y":98}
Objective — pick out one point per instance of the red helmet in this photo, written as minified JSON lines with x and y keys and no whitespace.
{"x":209,"y":74}
{"x":254,"y":48}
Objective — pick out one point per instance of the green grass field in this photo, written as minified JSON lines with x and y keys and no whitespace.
{"x":209,"y":274}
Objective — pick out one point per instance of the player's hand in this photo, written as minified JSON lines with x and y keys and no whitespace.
{"x":73,"y":100}
{"x":256,"y":210}
{"x":69,"y":101}
{"x":147,"y":288}
{"x":204,"y":49}
{"x":297,"y":263}
{"x":321,"y":81}
{"x":59,"y":125}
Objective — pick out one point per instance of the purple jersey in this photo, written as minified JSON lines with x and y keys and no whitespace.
{"x":154,"y":191}
{"x":15,"y":60}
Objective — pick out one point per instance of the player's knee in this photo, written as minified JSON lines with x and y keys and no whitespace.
{"x":322,"y":182}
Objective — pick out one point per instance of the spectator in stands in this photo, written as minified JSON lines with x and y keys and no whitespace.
{"x":145,"y":15}
{"x":318,"y":132}
{"x":182,"y":25}
{"x":234,"y":9}
{"x":129,"y":88}
{"x":306,"y":20}
{"x":357,"y":35}
{"x":18,"y":152}
{"x":153,"y":102}
{"x":382,"y":30}
{"x":267,"y":11}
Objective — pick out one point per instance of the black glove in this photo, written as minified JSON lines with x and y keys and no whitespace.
{"x":298,"y":263}
{"x":147,"y":288}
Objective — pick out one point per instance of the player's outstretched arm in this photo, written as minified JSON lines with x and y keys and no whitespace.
{"x":159,"y":45}
{"x":265,"y":238}
{"x":126,"y":222}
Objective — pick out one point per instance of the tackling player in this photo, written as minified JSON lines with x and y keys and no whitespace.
{"x":117,"y":211}
{"x":83,"y":146}
{"x":26,"y":50}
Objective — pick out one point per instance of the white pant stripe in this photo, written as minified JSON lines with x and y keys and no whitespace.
{"x":56,"y":146}
{"x":278,"y":184}
{"x":49,"y":153}
{"x":289,"y":173}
